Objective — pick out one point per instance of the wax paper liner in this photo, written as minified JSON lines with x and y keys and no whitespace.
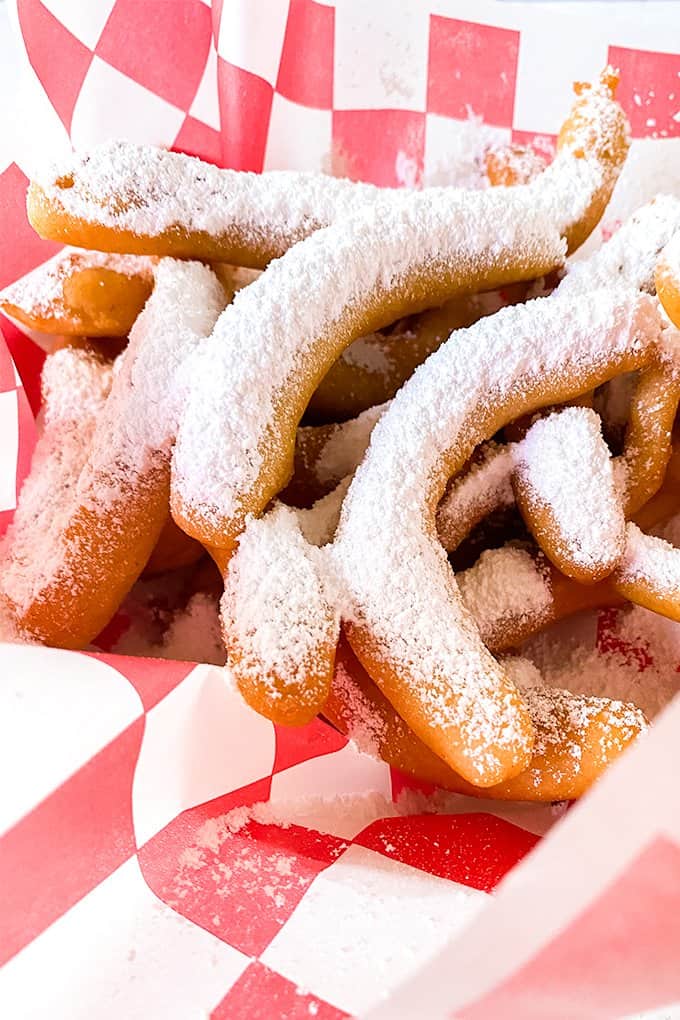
{"x":135,"y":881}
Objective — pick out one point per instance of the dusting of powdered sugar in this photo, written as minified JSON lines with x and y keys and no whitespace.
{"x":651,"y":561}
{"x":41,"y":292}
{"x":485,"y":486}
{"x":320,"y":521}
{"x":368,"y":352}
{"x":396,"y":578}
{"x":194,"y":633}
{"x":346,"y":445}
{"x":276,"y":610}
{"x":147,"y":190}
{"x":565,"y":467}
{"x":75,"y":386}
{"x":636,"y":659}
{"x":132,"y":431}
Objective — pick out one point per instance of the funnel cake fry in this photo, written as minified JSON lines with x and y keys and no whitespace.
{"x":116,"y":508}
{"x":408,"y":251}
{"x":577,"y":736}
{"x":142,"y":200}
{"x":405,"y":619}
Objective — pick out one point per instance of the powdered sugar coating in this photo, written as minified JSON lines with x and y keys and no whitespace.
{"x":147,"y":190}
{"x":564,"y":468}
{"x":651,"y":560}
{"x":505,"y":587}
{"x":75,"y":386}
{"x":397,"y":581}
{"x":484,"y":487}
{"x":41,"y":291}
{"x":276,"y":610}
{"x":262,"y":342}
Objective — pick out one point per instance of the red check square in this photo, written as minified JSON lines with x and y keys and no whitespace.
{"x":473,"y":849}
{"x":306,"y":68}
{"x":245,"y":109}
{"x":59,"y":59}
{"x":262,"y":994}
{"x":199,"y":139}
{"x":384,"y":147}
{"x":649,"y":90}
{"x":144,"y":40}
{"x":472,"y":70}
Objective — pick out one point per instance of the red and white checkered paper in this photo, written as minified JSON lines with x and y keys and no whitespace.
{"x":121,"y":894}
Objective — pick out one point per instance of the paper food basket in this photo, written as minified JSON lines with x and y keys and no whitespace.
{"x":130,"y":886}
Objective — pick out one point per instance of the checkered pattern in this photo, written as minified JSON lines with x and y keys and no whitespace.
{"x":589,"y":926}
{"x":113,"y":851}
{"x":124,"y":854}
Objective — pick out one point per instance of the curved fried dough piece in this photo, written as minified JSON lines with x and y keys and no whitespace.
{"x":580,"y":527}
{"x":140,"y":199}
{"x":271,"y":348}
{"x":116,"y":508}
{"x":649,"y":573}
{"x":82,"y":294}
{"x":75,"y":383}
{"x":279,"y":622}
{"x":577,"y":737}
{"x":137,"y":199}
{"x":406,"y":620}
